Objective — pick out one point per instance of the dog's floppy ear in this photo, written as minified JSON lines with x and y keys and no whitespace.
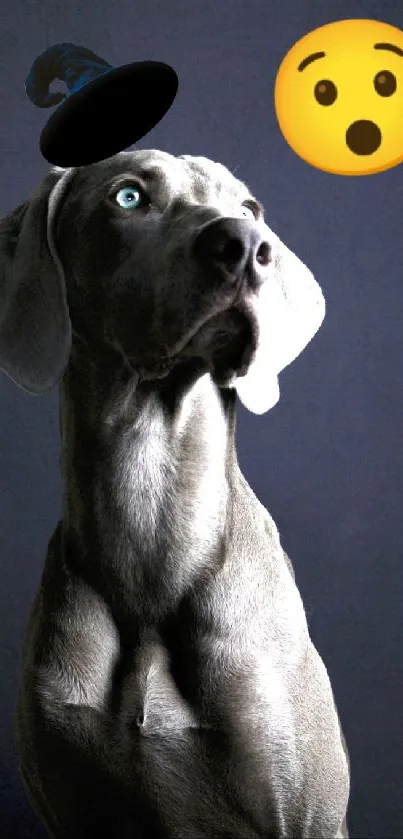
{"x":289,"y":309}
{"x":35,"y":332}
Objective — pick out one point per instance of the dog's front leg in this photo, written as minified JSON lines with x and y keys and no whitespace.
{"x":86,"y":775}
{"x":90,"y":770}
{"x":79,"y":765}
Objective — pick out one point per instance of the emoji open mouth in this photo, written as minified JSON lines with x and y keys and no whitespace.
{"x":363,"y":137}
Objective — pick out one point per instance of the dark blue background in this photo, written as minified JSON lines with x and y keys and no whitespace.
{"x":327,"y":462}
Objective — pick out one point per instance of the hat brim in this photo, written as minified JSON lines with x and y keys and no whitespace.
{"x":109,"y":114}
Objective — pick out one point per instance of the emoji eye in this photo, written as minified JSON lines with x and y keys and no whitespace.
{"x":385,"y":83}
{"x":325,"y":92}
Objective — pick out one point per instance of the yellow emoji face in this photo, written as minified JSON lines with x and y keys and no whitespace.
{"x":339,"y":97}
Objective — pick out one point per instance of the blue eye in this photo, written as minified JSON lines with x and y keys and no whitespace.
{"x":131,"y":198}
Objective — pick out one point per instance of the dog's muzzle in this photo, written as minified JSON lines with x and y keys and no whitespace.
{"x":233,"y":251}
{"x":234,"y":257}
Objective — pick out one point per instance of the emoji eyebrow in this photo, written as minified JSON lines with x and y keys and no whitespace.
{"x":310,"y":58}
{"x":390,"y":47}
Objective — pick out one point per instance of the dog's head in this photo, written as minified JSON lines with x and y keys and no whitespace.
{"x":157,"y":259}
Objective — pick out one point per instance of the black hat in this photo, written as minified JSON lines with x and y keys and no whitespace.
{"x":107,"y":108}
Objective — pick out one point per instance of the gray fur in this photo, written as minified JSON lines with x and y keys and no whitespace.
{"x":170,"y":687}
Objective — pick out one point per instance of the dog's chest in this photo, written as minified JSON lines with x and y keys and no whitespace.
{"x":254,"y":720}
{"x":150,"y":699}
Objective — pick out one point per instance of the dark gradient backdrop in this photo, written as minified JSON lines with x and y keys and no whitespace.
{"x":328,"y":460}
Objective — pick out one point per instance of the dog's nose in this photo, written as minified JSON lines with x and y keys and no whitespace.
{"x":235,"y":248}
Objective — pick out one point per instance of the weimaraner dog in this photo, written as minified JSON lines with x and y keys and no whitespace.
{"x":170,"y":688}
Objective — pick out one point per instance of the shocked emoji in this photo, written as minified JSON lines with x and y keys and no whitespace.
{"x":339,"y":97}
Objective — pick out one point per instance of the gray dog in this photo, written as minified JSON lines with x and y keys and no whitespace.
{"x":170,"y":687}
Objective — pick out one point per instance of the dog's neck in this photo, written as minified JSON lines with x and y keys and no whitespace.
{"x":145,"y":469}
